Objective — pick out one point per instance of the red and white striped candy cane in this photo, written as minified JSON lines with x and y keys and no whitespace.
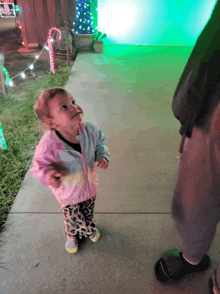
{"x":51,"y":47}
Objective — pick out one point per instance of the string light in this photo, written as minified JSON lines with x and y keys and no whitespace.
{"x":22,"y":74}
{"x":49,"y":41}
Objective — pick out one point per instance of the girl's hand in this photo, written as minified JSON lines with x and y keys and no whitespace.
{"x":55,"y":179}
{"x":56,"y":171}
{"x":101,"y":163}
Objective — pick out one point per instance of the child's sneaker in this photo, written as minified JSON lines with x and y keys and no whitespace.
{"x":95,"y":236}
{"x":71,"y":244}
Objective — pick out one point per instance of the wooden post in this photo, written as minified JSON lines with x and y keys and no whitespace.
{"x":2,"y":74}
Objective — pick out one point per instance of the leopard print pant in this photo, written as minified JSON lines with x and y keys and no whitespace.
{"x":78,"y":219}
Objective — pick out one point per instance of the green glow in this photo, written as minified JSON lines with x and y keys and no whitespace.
{"x":153,"y":22}
{"x":6,"y":73}
{"x":2,"y":139}
{"x":172,"y":252}
{"x":17,"y":8}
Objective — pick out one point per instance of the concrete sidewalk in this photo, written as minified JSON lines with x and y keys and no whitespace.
{"x":127,"y":92}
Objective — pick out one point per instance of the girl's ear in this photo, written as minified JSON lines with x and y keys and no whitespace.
{"x":49,"y":122}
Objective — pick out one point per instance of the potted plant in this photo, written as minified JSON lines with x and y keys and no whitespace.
{"x":97,"y":44}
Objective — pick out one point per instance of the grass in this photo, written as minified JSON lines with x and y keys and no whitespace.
{"x":20,"y":126}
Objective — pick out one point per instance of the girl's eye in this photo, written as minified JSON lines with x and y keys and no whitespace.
{"x":64,"y":106}
{"x":73,"y":102}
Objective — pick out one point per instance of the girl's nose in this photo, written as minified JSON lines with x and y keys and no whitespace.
{"x":73,"y":107}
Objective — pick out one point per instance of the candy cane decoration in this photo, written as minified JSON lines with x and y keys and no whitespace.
{"x":50,"y":41}
{"x":6,"y":73}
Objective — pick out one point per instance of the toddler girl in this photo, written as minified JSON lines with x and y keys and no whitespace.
{"x":65,"y":160}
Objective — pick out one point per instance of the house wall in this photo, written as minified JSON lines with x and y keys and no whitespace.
{"x":38,"y":16}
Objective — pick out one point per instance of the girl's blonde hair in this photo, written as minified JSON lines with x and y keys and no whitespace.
{"x":42,"y":106}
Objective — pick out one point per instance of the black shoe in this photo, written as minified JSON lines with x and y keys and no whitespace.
{"x":172,"y":266}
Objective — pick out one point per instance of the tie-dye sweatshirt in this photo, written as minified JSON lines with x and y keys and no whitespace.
{"x":81,"y":182}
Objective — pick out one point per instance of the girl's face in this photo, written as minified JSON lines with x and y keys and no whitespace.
{"x":65,"y":112}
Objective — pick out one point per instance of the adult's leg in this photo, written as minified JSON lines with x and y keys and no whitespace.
{"x":196,"y":227}
{"x":195,"y":203}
